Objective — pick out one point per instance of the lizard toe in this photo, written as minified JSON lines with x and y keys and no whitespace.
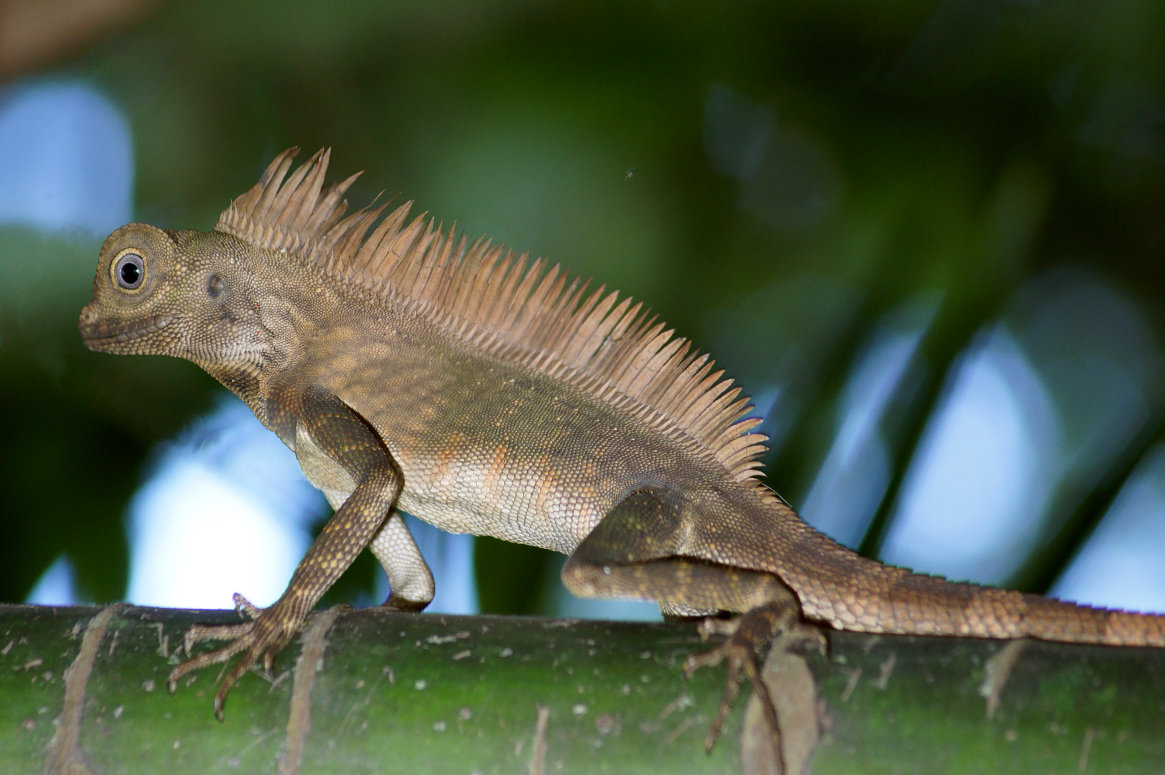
{"x":259,"y":639}
{"x":749,"y":637}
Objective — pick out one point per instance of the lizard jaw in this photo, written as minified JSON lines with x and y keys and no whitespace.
{"x":118,"y":336}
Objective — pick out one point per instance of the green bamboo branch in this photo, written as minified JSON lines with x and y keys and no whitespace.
{"x":83,"y":690}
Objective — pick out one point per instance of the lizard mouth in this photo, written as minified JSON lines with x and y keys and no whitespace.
{"x":117,"y":336}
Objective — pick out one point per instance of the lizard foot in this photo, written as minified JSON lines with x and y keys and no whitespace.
{"x":269,"y":630}
{"x":396,"y":602}
{"x":748,"y":636}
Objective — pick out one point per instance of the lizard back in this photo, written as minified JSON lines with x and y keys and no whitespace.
{"x":501,"y":303}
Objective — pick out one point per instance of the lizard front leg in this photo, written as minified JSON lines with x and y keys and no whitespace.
{"x":347,"y":439}
{"x":410,"y":582}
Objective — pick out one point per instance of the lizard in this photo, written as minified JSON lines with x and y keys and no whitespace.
{"x":411,"y":370}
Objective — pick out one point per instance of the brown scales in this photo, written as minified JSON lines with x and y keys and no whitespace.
{"x":711,"y":551}
{"x":614,"y":348}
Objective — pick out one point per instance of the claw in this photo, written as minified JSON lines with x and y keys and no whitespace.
{"x":228,"y":683}
{"x":245,"y":607}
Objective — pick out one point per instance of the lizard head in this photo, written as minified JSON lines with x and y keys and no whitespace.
{"x":161,"y":292}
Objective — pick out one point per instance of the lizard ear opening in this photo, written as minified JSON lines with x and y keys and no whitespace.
{"x":129,"y":270}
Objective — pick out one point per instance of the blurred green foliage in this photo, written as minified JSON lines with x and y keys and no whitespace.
{"x":773,"y":178}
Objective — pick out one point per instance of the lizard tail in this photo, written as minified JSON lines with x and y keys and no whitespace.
{"x":872,"y":597}
{"x":839,"y":587}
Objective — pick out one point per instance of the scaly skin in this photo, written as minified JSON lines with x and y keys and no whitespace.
{"x":409,"y":372}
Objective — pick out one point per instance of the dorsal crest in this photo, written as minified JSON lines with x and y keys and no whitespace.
{"x":612,"y":347}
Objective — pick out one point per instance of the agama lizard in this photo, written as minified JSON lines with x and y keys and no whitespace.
{"x":410,"y":370}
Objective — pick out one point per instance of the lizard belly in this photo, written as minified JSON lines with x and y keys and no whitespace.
{"x":471,"y":496}
{"x":463,"y":494}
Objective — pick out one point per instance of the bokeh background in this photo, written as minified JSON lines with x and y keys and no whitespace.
{"x":927,"y":237}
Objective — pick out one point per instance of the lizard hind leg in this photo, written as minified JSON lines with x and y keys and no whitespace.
{"x":641,"y":550}
{"x":637,"y":551}
{"x":632,"y":552}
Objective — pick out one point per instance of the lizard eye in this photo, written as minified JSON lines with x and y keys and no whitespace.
{"x":129,"y":271}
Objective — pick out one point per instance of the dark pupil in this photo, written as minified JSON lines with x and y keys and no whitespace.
{"x":131,"y":273}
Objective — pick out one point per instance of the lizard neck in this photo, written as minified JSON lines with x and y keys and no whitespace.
{"x":291,"y":312}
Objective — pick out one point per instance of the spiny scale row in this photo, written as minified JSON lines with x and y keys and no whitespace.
{"x":613,"y":347}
